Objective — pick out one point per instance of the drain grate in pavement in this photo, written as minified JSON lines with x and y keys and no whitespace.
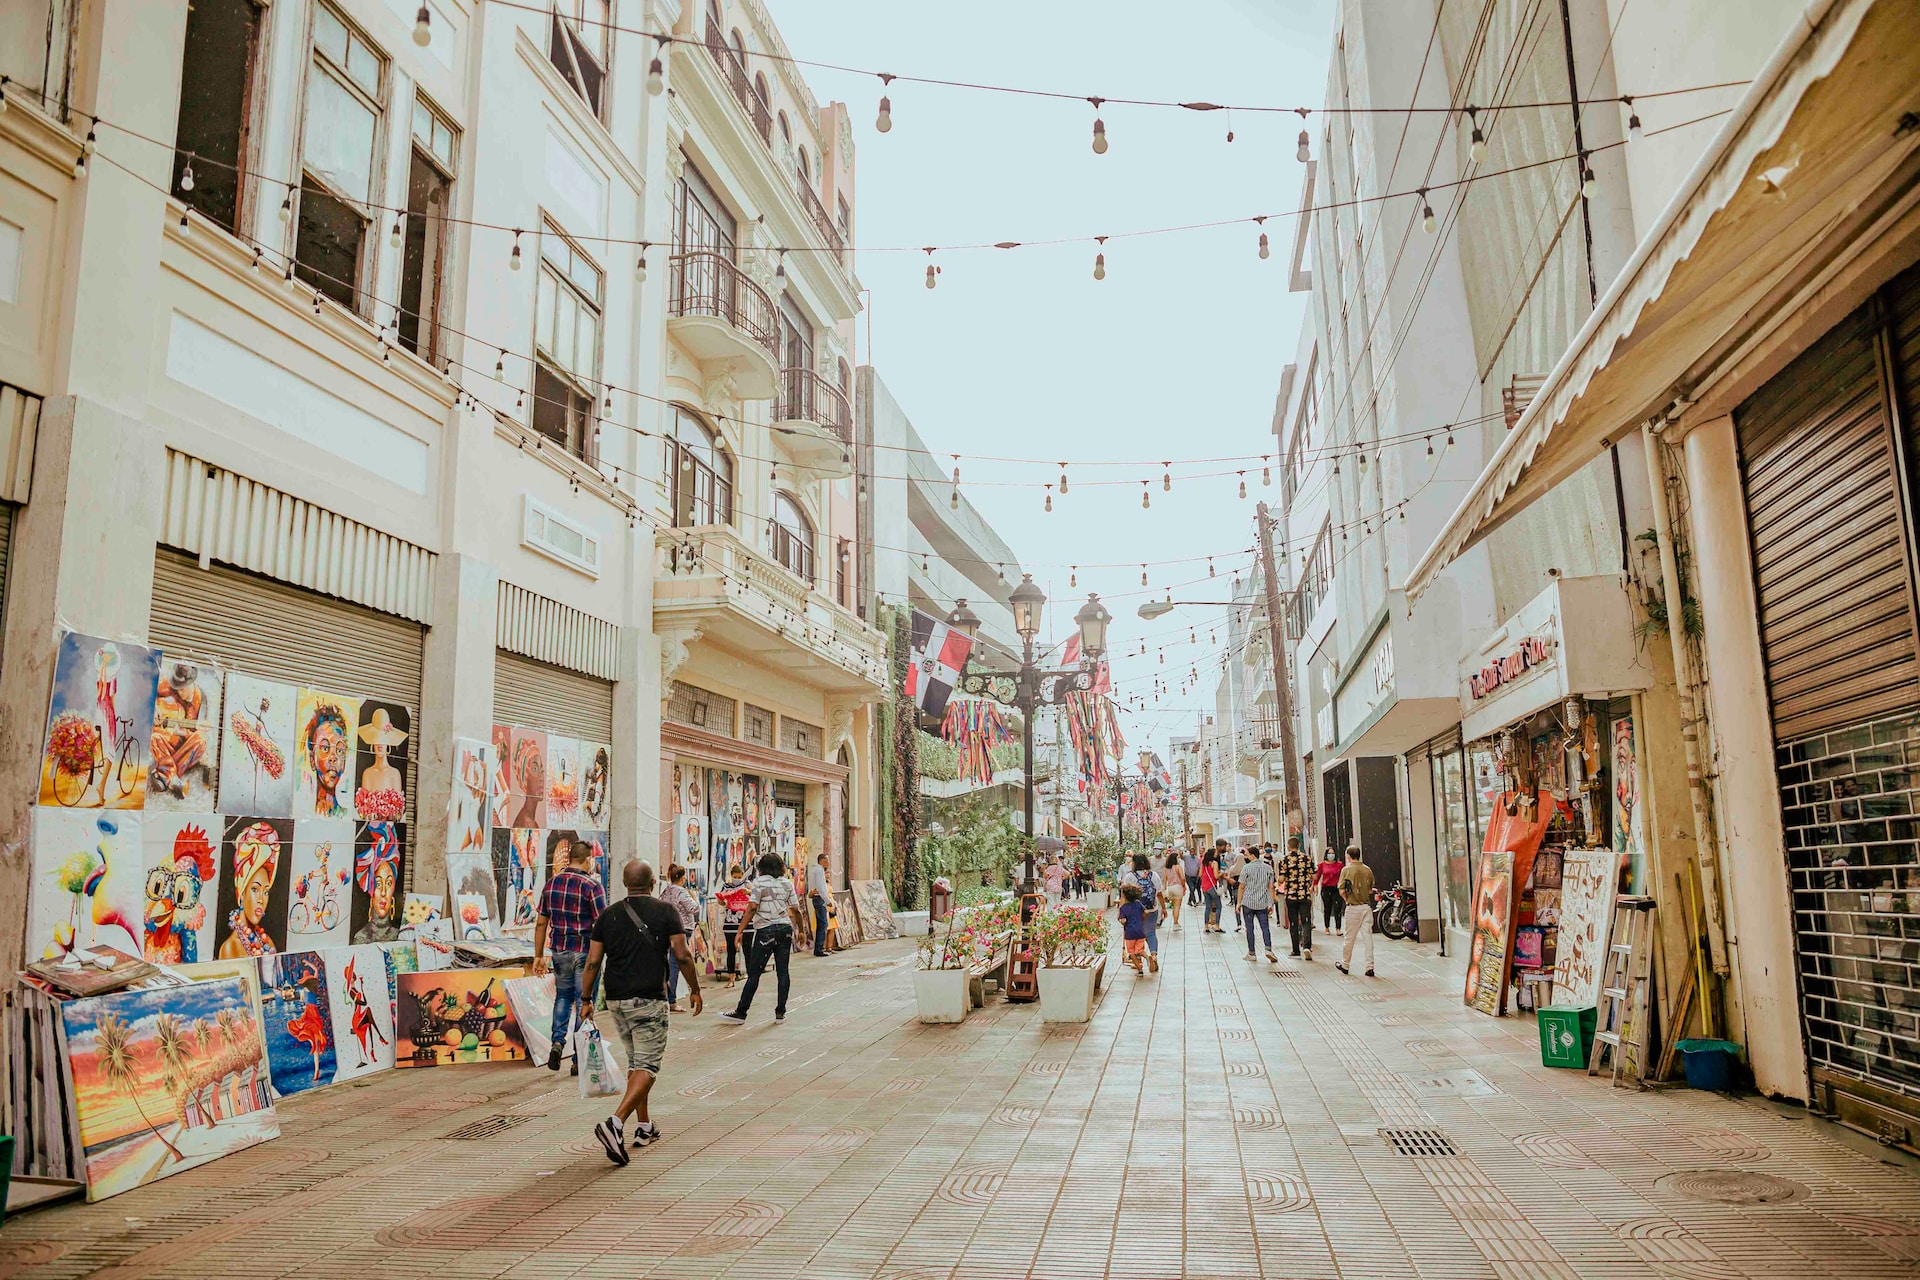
{"x":1417,"y":1143}
{"x":1731,"y":1186}
{"x":488,"y":1127}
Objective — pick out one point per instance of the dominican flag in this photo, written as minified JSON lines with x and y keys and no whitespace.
{"x":939,"y":654}
{"x":1070,"y":657}
{"x":1157,"y":776}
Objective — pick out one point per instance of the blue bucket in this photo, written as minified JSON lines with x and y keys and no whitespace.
{"x":1709,"y":1063}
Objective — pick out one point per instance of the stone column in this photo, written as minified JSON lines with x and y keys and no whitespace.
{"x":456,"y":701}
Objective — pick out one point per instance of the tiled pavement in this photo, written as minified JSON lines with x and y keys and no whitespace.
{"x":1222,"y":1119}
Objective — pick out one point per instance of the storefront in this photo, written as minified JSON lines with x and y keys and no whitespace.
{"x":1451,"y":789}
{"x":1542,"y":787}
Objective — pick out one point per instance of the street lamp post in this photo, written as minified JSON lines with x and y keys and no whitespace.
{"x":1026,"y":690}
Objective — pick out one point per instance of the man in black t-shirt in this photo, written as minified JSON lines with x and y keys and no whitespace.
{"x":637,"y":938}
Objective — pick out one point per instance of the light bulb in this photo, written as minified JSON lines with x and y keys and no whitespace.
{"x":1265,"y":251}
{"x":286,"y":208}
{"x":954,"y":502}
{"x":1589,"y":186}
{"x":1049,"y":497}
{"x":92,"y":141}
{"x":1166,"y":481}
{"x":780,"y":271}
{"x":1633,"y":121}
{"x":1477,"y":148}
{"x":1099,"y":266}
{"x":1429,"y":446}
{"x":393,"y":237}
{"x":183,"y":224}
{"x":1099,"y":136}
{"x":1302,"y":153}
{"x":1243,"y":491}
{"x":1143,"y":582}
{"x":1146,"y":498}
{"x":656,"y":78}
{"x":640,"y":268}
{"x":883,"y":123}
{"x":186,"y":176}
{"x":1063,"y":478}
{"x":1073,"y":578}
{"x":513,"y":260}
{"x":80,"y":165}
{"x":929,"y":275}
{"x":423,"y":28}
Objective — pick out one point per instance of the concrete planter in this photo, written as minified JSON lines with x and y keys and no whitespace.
{"x":940,"y":994}
{"x":1066,"y":995}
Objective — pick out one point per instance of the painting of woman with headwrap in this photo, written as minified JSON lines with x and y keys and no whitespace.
{"x":377,"y":873}
{"x":252,"y":919}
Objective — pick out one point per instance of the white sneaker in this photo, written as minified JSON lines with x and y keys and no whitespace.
{"x":612,"y":1141}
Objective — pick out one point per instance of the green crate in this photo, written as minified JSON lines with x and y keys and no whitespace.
{"x":1566,"y":1034}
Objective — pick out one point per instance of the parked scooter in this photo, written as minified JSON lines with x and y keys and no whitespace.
{"x":1396,"y":913}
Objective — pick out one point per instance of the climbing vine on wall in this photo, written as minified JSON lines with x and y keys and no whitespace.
{"x":903,"y":792}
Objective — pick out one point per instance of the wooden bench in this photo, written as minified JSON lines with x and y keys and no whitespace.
{"x":992,"y":964}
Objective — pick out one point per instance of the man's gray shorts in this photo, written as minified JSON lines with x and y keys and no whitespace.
{"x":642,"y":1025}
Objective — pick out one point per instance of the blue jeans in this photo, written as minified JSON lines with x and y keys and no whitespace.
{"x":1153,"y":933}
{"x":819,"y":925}
{"x":1262,"y":915}
{"x":772,"y":942}
{"x":1212,"y":898}
{"x":568,"y":999}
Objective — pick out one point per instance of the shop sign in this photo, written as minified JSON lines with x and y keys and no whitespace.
{"x":1532,"y":652}
{"x":1250,"y":822}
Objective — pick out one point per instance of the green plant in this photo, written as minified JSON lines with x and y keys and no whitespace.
{"x":1693,"y":622}
{"x":1069,"y":937}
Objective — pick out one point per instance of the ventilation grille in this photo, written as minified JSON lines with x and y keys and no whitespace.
{"x":1417,"y":1143}
{"x":489,"y":1127}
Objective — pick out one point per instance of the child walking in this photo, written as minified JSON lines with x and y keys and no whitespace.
{"x":1133,"y":926}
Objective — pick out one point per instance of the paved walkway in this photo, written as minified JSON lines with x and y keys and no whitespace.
{"x":1221,"y":1120}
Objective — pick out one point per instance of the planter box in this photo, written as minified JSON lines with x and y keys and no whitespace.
{"x":1066,"y":995}
{"x":940,"y":994}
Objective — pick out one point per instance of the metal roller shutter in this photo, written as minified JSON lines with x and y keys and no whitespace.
{"x":267,"y":628}
{"x":548,"y":697}
{"x":1830,"y":542}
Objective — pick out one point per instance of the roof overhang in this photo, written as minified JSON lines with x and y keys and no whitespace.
{"x":1814,"y":178}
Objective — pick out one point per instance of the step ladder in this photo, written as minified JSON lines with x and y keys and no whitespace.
{"x":1626,"y":981}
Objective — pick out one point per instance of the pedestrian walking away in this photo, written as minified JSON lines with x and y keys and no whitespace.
{"x":818,"y":896}
{"x":1356,"y":890}
{"x":1230,"y":879}
{"x":1332,"y":907}
{"x":569,"y":904}
{"x":1150,"y":884}
{"x":733,"y":897}
{"x":1133,"y":928}
{"x":1190,"y":868}
{"x":636,"y":939}
{"x":1175,"y":894}
{"x":1256,"y":901}
{"x":1298,"y":877}
{"x":772,"y":915}
{"x":676,"y":895}
{"x":1055,"y":877}
{"x":1210,"y":891}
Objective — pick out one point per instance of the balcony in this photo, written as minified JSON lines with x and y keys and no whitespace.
{"x":709,"y":582}
{"x":733,"y":74}
{"x":725,"y":321}
{"x":1258,"y":736}
{"x":822,"y":220}
{"x":814,"y":425}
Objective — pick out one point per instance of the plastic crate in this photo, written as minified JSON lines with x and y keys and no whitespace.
{"x":1566,"y":1034}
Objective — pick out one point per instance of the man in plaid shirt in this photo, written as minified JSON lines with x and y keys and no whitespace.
{"x":569,"y":904}
{"x":1297,"y":876}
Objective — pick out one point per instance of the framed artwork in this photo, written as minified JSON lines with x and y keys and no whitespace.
{"x":324,"y":728}
{"x":501,"y":789}
{"x":472,"y":916}
{"x":99,"y":723}
{"x":469,"y":815}
{"x":456,"y":1016}
{"x":361,"y":995}
{"x":599,"y":859}
{"x":1492,"y":932}
{"x":690,"y":839}
{"x":179,"y":859}
{"x":846,"y":922}
{"x":1587,"y":887}
{"x":379,"y":869}
{"x":184,"y":747}
{"x":165,"y":1080}
{"x":316,"y":876}
{"x":256,"y":747}
{"x":88,"y":882}
{"x":871,"y":899}
{"x":297,"y":1010}
{"x":524,"y":876}
{"x":596,"y":784}
{"x":251,"y":919}
{"x":380,"y":754}
{"x":563,"y":780}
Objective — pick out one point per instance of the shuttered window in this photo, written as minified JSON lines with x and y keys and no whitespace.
{"x":1830,"y":542}
{"x":541,"y":696}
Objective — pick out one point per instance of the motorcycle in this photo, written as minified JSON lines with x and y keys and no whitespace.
{"x":1396,"y":912}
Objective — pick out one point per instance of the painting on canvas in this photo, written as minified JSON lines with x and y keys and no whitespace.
{"x":1492,"y":932}
{"x":379,"y":869}
{"x":500,"y":787}
{"x":474,"y":873}
{"x":323,"y":736}
{"x":599,"y":865}
{"x":472,"y":916}
{"x":419,"y":909}
{"x":381,"y":745}
{"x":690,"y":839}
{"x":596,"y":784}
{"x":184,"y":745}
{"x":316,"y":876}
{"x":99,"y":720}
{"x":433,"y":946}
{"x":524,"y":878}
{"x":251,"y":915}
{"x":528,"y":806}
{"x":876,"y":909}
{"x":563,"y":780}
{"x":532,"y":1002}
{"x":456,"y":1016}
{"x":178,"y":859}
{"x":1587,"y":884}
{"x":469,"y":816}
{"x":361,"y":996}
{"x":164,"y":1080}
{"x":256,"y":747}
{"x":88,"y":882}
{"x":298,"y":1014}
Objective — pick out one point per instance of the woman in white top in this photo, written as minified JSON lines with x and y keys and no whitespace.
{"x":773,"y":913}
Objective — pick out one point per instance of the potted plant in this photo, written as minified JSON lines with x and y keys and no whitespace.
{"x":940,"y":972}
{"x":1071,"y":944}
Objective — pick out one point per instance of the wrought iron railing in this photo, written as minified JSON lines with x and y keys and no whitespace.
{"x":805,"y":396}
{"x":733,"y":70}
{"x":707,"y":282}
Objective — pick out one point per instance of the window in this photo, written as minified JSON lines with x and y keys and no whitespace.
{"x":786,"y":130}
{"x":701,"y":483}
{"x":577,"y":48}
{"x":566,"y":343}
{"x":340,"y":143}
{"x":1305,"y":428}
{"x":216,"y":101}
{"x":553,"y":534}
{"x":700,"y":218}
{"x":802,"y":169}
{"x":424,"y":247}
{"x":792,"y":536}
{"x":796,"y":336}
{"x":843,"y":219}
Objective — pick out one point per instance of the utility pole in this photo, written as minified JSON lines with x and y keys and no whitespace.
{"x":1277,"y":643}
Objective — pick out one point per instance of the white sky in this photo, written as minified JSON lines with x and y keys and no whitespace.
{"x":1177,"y":353}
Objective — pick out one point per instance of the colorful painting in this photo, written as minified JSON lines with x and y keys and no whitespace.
{"x":379,"y":869}
{"x":165,"y":1080}
{"x":785,"y":824}
{"x":380,"y":762}
{"x":256,"y":749}
{"x":472,"y":916}
{"x":316,"y":876}
{"x":323,"y":737}
{"x":599,"y":843}
{"x":560,"y":844}
{"x":183,"y":749}
{"x":500,"y":790}
{"x":298,"y":1014}
{"x":871,"y":899}
{"x":251,"y":914}
{"x":419,"y":909}
{"x":845,"y":919}
{"x":716,"y":807}
{"x":361,"y":994}
{"x":1587,"y":882}
{"x":433,"y":946}
{"x":563,"y":780}
{"x":596,"y":784}
{"x":179,"y":860}
{"x":1492,"y":933}
{"x":99,"y":721}
{"x":88,"y":886}
{"x":469,"y":815}
{"x":470,"y":873}
{"x":528,"y":804}
{"x":692,"y":782}
{"x":736,"y":794}
{"x":1627,"y":821}
{"x":524,"y":878}
{"x":690,"y":839}
{"x":456,"y":1016}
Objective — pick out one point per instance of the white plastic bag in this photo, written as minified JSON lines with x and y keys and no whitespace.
{"x":601,"y":1073}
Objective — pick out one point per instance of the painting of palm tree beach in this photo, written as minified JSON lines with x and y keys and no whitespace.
{"x":165,"y":1080}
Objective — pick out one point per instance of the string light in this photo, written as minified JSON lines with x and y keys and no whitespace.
{"x":393,"y":236}
{"x":1166,"y":478}
{"x":80,"y":165}
{"x":1209,"y":566}
{"x":1100,"y":260}
{"x":1633,"y":121}
{"x":883,"y":123}
{"x":1302,"y":152}
{"x":1143,"y":582}
{"x":186,"y":174}
{"x":1266,"y":472}
{"x":640,"y":266}
{"x":657,"y":71}
{"x":1243,"y":484}
{"x":183,"y":224}
{"x":1265,"y":251}
{"x":1073,"y":578}
{"x":1063,"y":479}
{"x":423,"y":28}
{"x":932,"y":270}
{"x":286,"y":207}
{"x":1477,"y":146}
{"x":780,"y":271}
{"x":1429,"y":446}
{"x":1146,"y":498}
{"x":513,"y":259}
{"x":1589,"y":187}
{"x":1099,"y":128}
{"x":1049,"y":497}
{"x":1428,"y":223}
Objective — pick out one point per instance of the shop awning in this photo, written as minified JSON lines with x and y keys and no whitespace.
{"x":1814,"y":167}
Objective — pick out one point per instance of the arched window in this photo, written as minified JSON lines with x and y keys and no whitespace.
{"x":846,"y":379}
{"x":805,"y":171}
{"x":760,"y":87}
{"x":792,"y":536}
{"x":700,"y":471}
{"x":786,"y":129}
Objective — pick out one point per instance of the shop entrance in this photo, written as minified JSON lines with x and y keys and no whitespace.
{"x":1337,"y":785}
